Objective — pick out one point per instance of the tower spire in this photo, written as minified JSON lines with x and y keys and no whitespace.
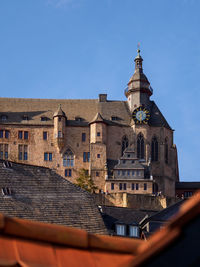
{"x":138,"y":61}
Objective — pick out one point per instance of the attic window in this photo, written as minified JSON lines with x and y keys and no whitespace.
{"x":4,"y":118}
{"x":6,"y":191}
{"x":25,"y":117}
{"x":115,"y":118}
{"x":78,"y":119}
{"x":121,"y":229}
{"x":44,"y":119}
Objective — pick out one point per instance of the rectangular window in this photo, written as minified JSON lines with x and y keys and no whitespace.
{"x":138,"y":173}
{"x":118,"y":172}
{"x":124,"y":186}
{"x":132,"y":186}
{"x":112,"y":186}
{"x":128,"y":172}
{"x":45,"y":156}
{"x":83,"y":137}
{"x":97,"y":174}
{"x":6,"y":151}
{"x":20,"y":135}
{"x":48,"y":156}
{"x":68,"y":172}
{"x":25,"y":135}
{"x":145,"y":186}
{"x":133,"y":173}
{"x":44,"y":135}
{"x":59,"y":134}
{"x":98,"y":156}
{"x":98,"y":134}
{"x":133,"y":231}
{"x":123,"y":172}
{"x":121,"y":229}
{"x":137,"y":186}
{"x":120,"y":186}
{"x":86,"y":156}
{"x":20,"y":151}
{"x":25,"y":152}
{"x":7,"y":134}
{"x":1,"y":151}
{"x":1,"y":133}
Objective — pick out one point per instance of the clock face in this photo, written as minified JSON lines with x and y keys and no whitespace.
{"x":141,"y":115}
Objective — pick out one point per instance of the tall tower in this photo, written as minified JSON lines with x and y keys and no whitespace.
{"x":139,"y":89}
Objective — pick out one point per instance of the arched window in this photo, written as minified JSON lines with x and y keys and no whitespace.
{"x":166,"y":150}
{"x":124,"y":144}
{"x":68,"y":158}
{"x":140,"y":146}
{"x":154,"y":149}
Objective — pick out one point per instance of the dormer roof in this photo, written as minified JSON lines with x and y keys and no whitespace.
{"x":98,"y":118}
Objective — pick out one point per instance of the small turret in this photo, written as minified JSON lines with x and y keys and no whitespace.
{"x":98,"y":133}
{"x":139,"y":89}
{"x":59,"y":118}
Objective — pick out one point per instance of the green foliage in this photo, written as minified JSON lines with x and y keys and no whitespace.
{"x":85,"y":181}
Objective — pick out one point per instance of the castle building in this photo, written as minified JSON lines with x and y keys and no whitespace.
{"x":68,"y":135}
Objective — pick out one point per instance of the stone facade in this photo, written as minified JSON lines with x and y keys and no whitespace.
{"x":68,"y":135}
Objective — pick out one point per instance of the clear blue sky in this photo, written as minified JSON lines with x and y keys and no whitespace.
{"x":80,"y":48}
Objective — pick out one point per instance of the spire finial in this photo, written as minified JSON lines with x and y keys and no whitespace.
{"x":138,"y":50}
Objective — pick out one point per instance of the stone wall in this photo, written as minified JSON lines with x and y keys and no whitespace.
{"x":134,"y":201}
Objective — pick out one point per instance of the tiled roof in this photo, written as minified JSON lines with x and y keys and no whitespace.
{"x":40,"y":194}
{"x":34,"y":109}
{"x":27,"y":243}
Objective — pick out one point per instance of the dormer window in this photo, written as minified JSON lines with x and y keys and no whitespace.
{"x":43,"y":118}
{"x":133,"y":231}
{"x":78,"y":119}
{"x":6,"y":191}
{"x":121,"y":229}
{"x":114,"y":118}
{"x":4,"y":118}
{"x":25,"y":118}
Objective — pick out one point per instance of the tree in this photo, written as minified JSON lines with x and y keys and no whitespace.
{"x":85,"y":181}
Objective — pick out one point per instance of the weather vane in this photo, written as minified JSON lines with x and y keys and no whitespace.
{"x":138,"y":46}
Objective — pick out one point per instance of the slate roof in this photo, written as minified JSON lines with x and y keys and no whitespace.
{"x":113,"y":215}
{"x":187,"y":185}
{"x":40,"y":194}
{"x":165,"y":214}
{"x":16,"y":108}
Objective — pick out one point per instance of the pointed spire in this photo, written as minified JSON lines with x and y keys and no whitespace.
{"x":59,"y":112}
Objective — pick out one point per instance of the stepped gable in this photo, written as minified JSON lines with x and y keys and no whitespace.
{"x":39,"y":194}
